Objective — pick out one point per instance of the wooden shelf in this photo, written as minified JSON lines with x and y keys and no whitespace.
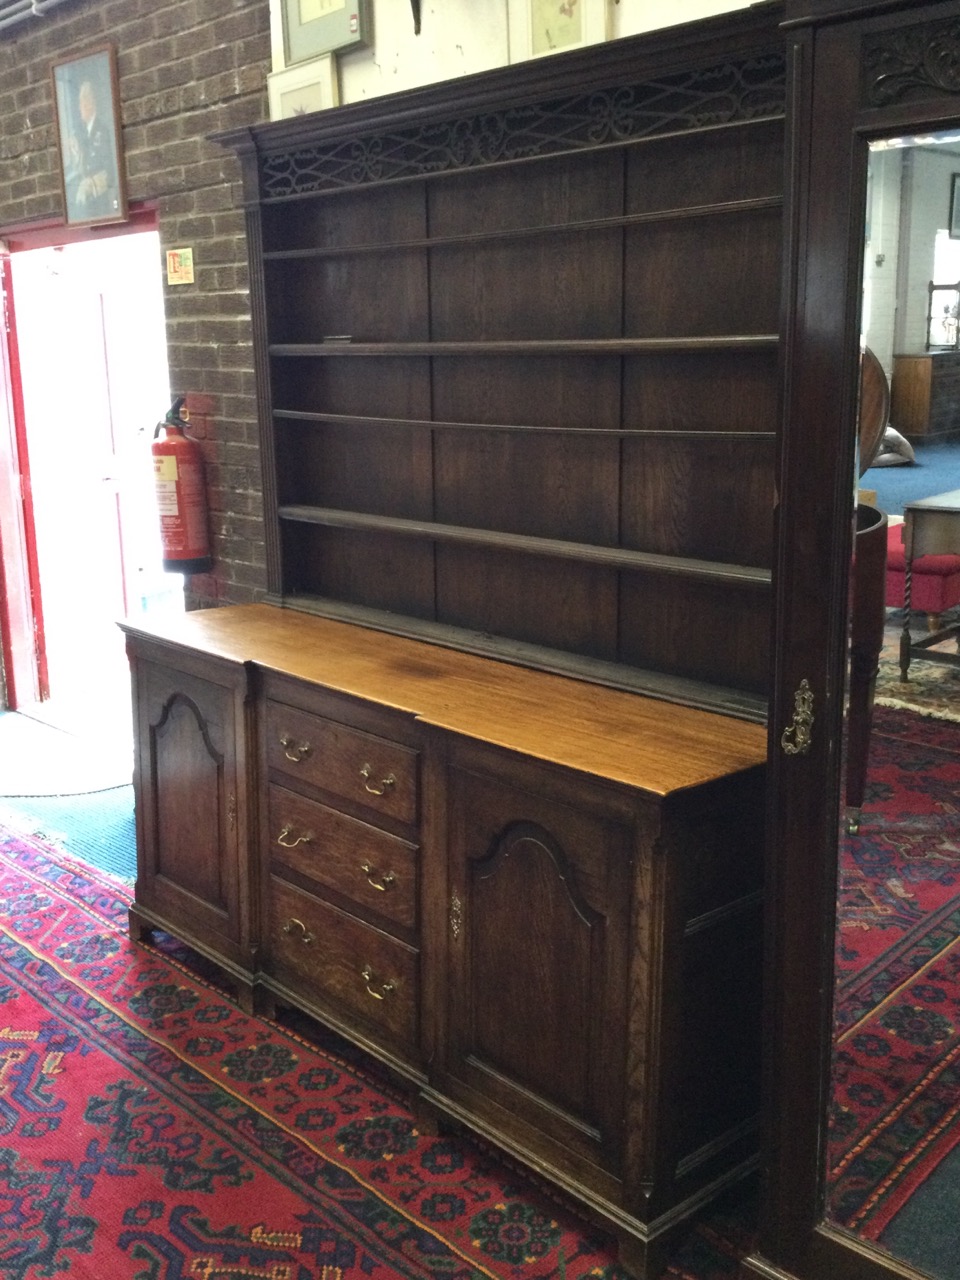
{"x":583,"y":553}
{"x":537,"y":347}
{"x":504,"y":234}
{"x":519,"y":428}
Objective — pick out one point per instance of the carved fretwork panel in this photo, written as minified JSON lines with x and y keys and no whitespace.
{"x":727,"y":93}
{"x":911,"y":64}
{"x":189,"y":799}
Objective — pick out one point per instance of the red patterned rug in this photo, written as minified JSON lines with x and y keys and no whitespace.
{"x":897,"y":1057}
{"x":149,"y":1130}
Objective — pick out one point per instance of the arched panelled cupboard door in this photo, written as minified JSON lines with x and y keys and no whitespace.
{"x":859,"y":72}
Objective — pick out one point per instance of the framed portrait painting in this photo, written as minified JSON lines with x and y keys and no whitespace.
{"x":86,"y":100}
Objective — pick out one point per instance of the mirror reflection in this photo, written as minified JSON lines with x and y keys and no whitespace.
{"x":894,"y":1138}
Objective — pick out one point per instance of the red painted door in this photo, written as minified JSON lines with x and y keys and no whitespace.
{"x":93,"y":374}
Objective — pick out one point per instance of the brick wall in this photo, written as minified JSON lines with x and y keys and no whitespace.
{"x":187,"y":68}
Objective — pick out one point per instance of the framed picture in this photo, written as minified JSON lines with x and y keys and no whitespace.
{"x":315,"y":27}
{"x":954,"y":223}
{"x":539,"y":27}
{"x":87,"y":106}
{"x":299,"y":90}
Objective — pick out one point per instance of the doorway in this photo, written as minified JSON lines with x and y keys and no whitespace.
{"x":93,"y":381}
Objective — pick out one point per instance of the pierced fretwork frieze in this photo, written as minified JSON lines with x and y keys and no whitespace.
{"x":911,"y":64}
{"x":726,"y":94}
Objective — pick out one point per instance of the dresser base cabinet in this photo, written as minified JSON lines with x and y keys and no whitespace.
{"x":535,"y":900}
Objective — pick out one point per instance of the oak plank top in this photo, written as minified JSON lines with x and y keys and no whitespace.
{"x":624,"y":737}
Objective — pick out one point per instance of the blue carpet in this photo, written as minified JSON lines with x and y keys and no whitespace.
{"x":96,"y":828}
{"x":926,"y":1231}
{"x":937,"y":470}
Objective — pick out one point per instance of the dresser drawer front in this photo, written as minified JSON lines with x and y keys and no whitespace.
{"x":359,"y":767}
{"x":329,"y":956}
{"x":373,"y":869}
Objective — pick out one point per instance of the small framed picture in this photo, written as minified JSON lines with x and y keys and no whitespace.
{"x":954,"y":223}
{"x":87,"y":104}
{"x":296,"y":91}
{"x":539,"y":27}
{"x":315,"y":27}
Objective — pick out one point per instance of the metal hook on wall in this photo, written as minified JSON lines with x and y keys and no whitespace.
{"x":415,"y":6}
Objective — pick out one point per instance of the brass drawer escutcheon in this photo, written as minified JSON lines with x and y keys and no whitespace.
{"x":291,"y":927}
{"x":377,"y":881}
{"x":381,"y":990}
{"x":380,"y":789}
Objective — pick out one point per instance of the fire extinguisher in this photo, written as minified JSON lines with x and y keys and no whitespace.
{"x":181,"y":496}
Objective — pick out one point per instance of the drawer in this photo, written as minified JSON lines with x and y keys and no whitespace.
{"x":330,"y":957}
{"x":376,"y":870}
{"x":357,"y":766}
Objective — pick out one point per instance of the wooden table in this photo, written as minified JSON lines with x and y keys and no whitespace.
{"x":931,"y":528}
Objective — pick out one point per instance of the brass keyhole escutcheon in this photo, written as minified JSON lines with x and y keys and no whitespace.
{"x":797,"y":737}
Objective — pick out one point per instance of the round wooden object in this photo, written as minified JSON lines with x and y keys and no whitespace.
{"x":874,"y":407}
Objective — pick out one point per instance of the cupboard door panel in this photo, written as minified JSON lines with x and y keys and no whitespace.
{"x":537,"y":1008}
{"x":192,"y":867}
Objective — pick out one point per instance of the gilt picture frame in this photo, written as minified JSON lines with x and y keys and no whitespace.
{"x":86,"y":97}
{"x":537,"y":28}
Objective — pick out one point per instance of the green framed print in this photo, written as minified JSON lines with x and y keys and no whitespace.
{"x":315,"y":27}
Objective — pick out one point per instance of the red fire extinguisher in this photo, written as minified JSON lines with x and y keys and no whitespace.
{"x":181,"y":496}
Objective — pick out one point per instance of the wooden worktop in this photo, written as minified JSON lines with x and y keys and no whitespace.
{"x":624,"y":737}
